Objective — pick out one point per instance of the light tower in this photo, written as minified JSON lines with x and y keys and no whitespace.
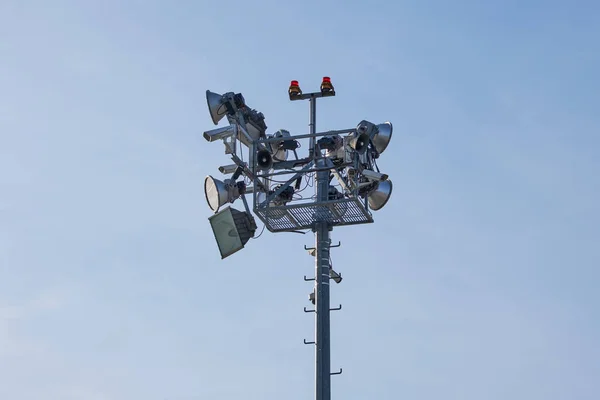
{"x":275,"y":180}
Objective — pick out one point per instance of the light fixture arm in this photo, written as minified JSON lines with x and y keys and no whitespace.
{"x":246,"y":205}
{"x":240,"y":121}
{"x":239,"y":170}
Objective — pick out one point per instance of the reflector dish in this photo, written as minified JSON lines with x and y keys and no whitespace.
{"x":216,"y":108}
{"x":380,"y":196}
{"x":383,"y":136}
{"x":216,"y":193}
{"x":279,"y":154}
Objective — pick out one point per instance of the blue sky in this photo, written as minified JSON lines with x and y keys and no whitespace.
{"x":478,"y":279}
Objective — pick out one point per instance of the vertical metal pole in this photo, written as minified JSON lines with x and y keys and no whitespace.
{"x":322,"y":246}
{"x":322,"y":331}
{"x":312,"y":125}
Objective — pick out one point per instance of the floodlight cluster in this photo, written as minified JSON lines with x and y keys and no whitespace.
{"x":280,"y":179}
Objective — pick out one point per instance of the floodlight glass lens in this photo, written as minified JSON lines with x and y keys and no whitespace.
{"x":227,"y":237}
{"x":212,"y":193}
{"x":226,"y":234}
{"x":380,"y":196}
{"x":383,"y":136}
{"x":215,"y":107}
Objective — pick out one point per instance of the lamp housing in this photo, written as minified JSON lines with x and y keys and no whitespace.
{"x":218,"y":193}
{"x":232,"y":230}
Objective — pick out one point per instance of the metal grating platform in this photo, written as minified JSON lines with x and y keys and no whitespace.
{"x":302,"y":216}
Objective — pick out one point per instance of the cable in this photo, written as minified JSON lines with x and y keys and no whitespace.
{"x":376,"y":166}
{"x":219,"y":113}
{"x":309,"y":179}
{"x":241,"y":151}
{"x":276,"y":181}
{"x":261,"y":232}
{"x":303,"y":233}
{"x":299,"y":191}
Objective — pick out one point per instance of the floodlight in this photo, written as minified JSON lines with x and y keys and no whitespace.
{"x":380,"y":134}
{"x":232,"y":230}
{"x":330,"y":143}
{"x":220,"y":105}
{"x":216,"y":108}
{"x":220,"y":133}
{"x":382,"y":138}
{"x":273,"y":214}
{"x":255,"y":125}
{"x":380,"y":195}
{"x":281,"y":199}
{"x":219,"y":193}
{"x":367,"y":127}
{"x":277,"y":148}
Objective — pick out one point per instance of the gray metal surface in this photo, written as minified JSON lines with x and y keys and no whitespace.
{"x":320,"y":214}
{"x":322,"y":249}
{"x":322,"y":326}
{"x":293,"y":217}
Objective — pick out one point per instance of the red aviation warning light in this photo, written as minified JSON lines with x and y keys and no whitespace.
{"x":294,"y":91}
{"x":326,"y":87}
